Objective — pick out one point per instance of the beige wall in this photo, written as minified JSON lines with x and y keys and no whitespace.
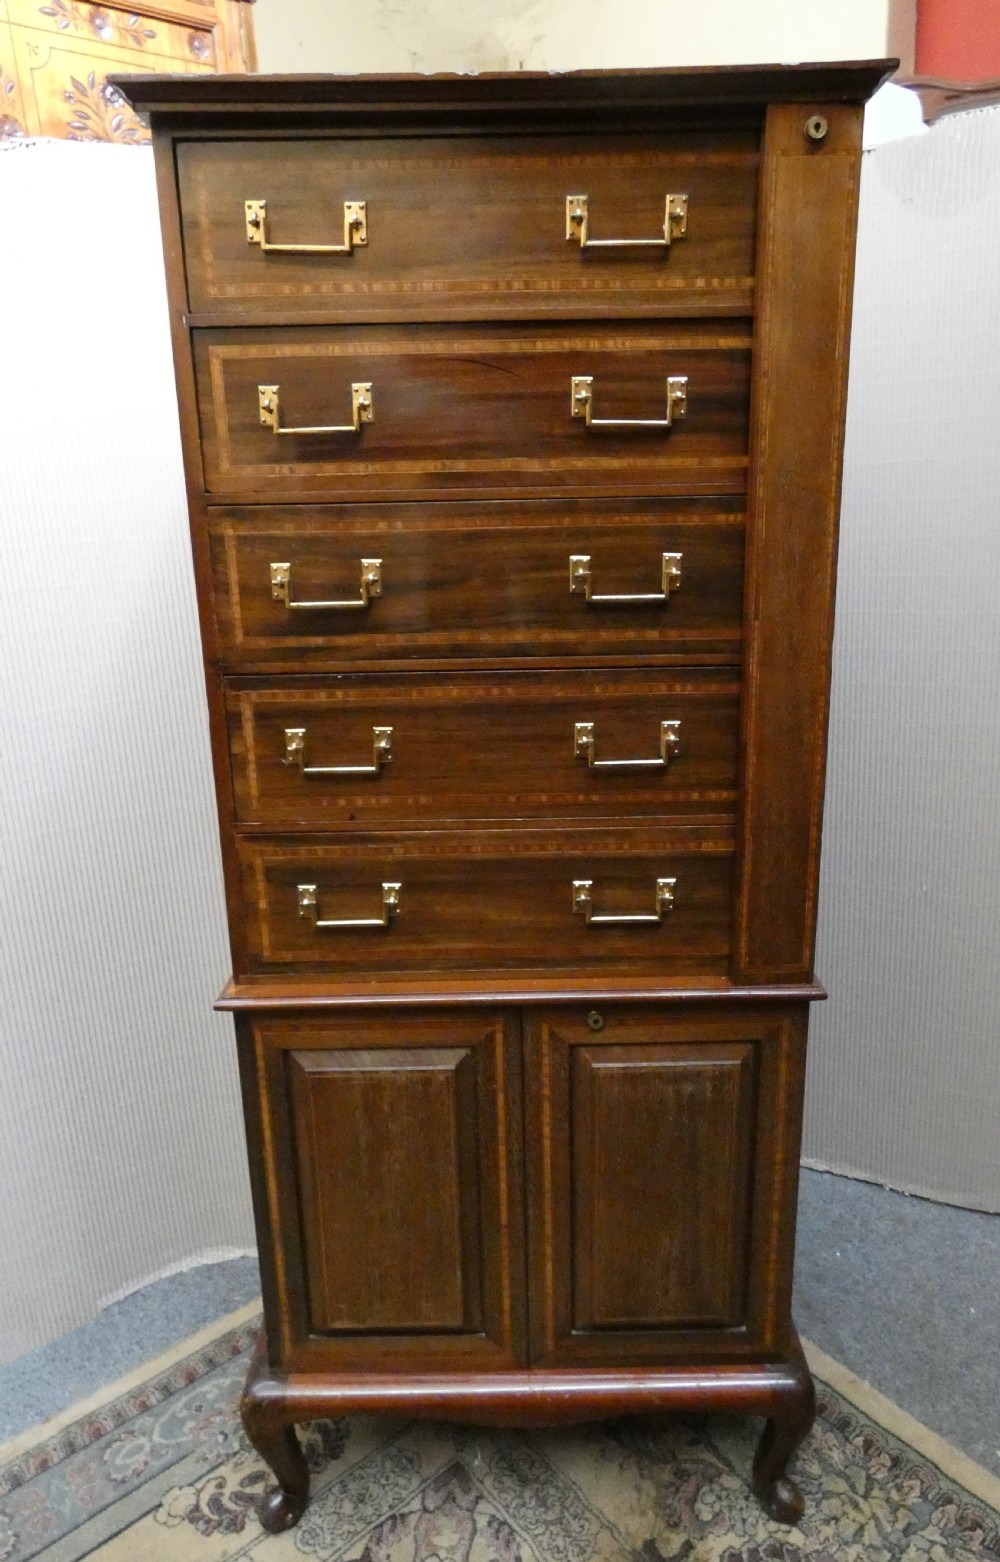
{"x":481,"y":35}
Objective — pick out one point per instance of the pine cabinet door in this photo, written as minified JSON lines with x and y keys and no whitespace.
{"x":390,"y":1175}
{"x":662,"y":1155}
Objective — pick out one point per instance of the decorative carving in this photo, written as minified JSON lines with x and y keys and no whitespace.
{"x":110,"y":26}
{"x":10,"y":126}
{"x":53,"y":78}
{"x":100,"y":113}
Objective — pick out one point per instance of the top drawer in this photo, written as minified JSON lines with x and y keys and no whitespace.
{"x":467,"y":228}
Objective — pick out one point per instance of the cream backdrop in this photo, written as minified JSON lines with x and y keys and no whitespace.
{"x":481,"y":35}
{"x":120,"y":1140}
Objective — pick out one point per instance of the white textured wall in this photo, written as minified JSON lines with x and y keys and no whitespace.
{"x":120,"y":1134}
{"x":482,"y":35}
{"x":904,"y":1077}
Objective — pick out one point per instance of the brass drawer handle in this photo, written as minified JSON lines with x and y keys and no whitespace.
{"x":584,"y":746}
{"x":295,"y":754}
{"x":582,"y":903}
{"x":355,"y":231}
{"x":675,"y":217}
{"x":581,"y":579}
{"x":581,"y":402}
{"x":309,"y":909}
{"x":362,"y":411}
{"x":371,"y":586}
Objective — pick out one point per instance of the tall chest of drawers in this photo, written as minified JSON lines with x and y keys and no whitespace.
{"x":512,"y":411}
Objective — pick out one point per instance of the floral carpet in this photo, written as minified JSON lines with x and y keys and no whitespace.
{"x":157,"y":1470}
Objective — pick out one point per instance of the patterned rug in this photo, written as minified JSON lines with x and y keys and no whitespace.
{"x":156,"y":1469}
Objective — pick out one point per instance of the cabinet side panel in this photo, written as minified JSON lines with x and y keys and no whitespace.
{"x":272,"y":1276}
{"x":808,"y":217}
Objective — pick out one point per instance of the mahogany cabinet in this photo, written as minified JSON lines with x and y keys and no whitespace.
{"x":512,"y":411}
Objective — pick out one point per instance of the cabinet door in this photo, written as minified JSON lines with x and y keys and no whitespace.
{"x":662,"y":1154}
{"x":390,"y":1208}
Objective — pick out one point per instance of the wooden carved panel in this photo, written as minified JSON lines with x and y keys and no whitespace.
{"x":56,"y":55}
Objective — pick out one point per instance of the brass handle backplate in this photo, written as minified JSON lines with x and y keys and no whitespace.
{"x":581,"y":401}
{"x":295,"y":754}
{"x":362,"y":411}
{"x":583,"y":903}
{"x":581,"y":579}
{"x":585,"y":743}
{"x":355,"y":231}
{"x":309,"y":909}
{"x":578,"y":225}
{"x":371,"y":586}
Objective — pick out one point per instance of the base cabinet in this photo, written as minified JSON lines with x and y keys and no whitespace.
{"x":642,"y":1157}
{"x":534,"y":1214}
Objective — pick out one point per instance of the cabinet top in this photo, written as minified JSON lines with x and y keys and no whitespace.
{"x":500,"y":94}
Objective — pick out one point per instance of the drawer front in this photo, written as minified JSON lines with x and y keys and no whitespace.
{"x":493,"y":579}
{"x":369,"y":750}
{"x":452,"y":408}
{"x":469,"y":227}
{"x":452,"y":901}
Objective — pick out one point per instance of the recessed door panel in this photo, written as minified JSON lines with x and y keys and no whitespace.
{"x":662,"y":1140}
{"x":662,"y":1153}
{"x":388,"y":1187}
{"x":387,"y":1149}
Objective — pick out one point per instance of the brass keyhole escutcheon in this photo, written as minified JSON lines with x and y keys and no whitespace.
{"x":816,"y":128}
{"x":595,"y":1020}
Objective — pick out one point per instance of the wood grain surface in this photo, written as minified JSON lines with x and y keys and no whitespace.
{"x":354,"y":1211}
{"x":639,"y":1254}
{"x":465,"y":408}
{"x":477,"y":580}
{"x":470,"y":230}
{"x":491,"y":900}
{"x":479,"y":748}
{"x":810,"y":199}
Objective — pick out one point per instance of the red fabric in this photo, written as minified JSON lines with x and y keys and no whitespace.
{"x":958,"y":40}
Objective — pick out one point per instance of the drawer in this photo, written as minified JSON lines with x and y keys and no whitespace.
{"x":469,"y":227}
{"x":490,"y":579}
{"x":349,"y":751}
{"x":491,"y":900}
{"x":453,"y":408}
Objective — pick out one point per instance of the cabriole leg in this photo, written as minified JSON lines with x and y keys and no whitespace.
{"x":787,"y":1426}
{"x":267,"y":1422}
